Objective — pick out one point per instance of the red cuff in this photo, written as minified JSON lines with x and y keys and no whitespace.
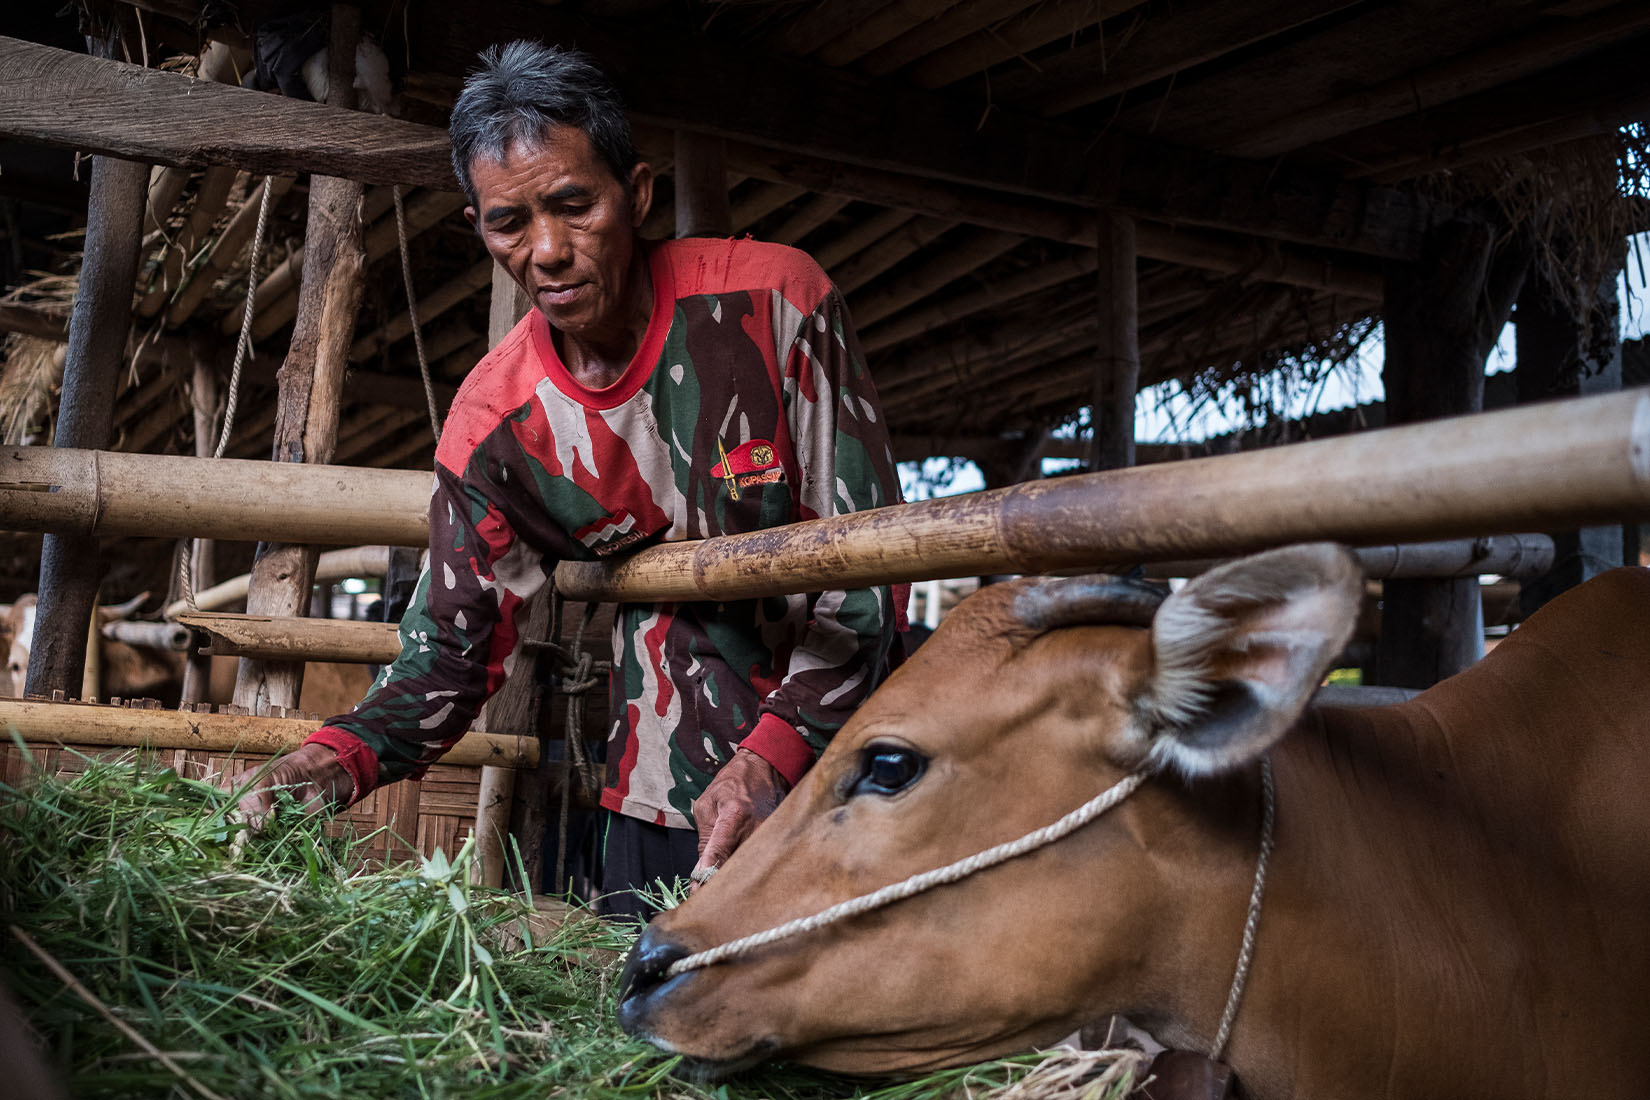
{"x":353,"y":754}
{"x":776,"y":741}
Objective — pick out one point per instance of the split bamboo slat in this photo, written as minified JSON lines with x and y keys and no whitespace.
{"x":137,"y":727}
{"x":1551,"y":466}
{"x":282,"y":638}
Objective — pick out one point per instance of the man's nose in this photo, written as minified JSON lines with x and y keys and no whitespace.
{"x":552,"y":245}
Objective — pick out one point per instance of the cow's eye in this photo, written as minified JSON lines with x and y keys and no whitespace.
{"x":888,"y":769}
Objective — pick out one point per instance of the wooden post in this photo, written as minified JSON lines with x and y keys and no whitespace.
{"x":702,"y":187}
{"x":70,"y":568}
{"x":1117,"y":361}
{"x":1442,"y":316}
{"x":1568,"y":347}
{"x":515,"y":704}
{"x":203,"y":396}
{"x":311,"y":380}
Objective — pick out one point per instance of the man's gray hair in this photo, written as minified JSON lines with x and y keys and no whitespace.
{"x":521,"y":90}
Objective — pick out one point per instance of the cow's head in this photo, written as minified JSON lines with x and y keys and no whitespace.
{"x":1030,"y":699}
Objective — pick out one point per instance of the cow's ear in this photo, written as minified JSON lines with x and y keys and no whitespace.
{"x":1237,"y":653}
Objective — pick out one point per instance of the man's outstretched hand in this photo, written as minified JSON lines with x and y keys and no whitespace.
{"x":740,"y":798}
{"x":311,"y":773}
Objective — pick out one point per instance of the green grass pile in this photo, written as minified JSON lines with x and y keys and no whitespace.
{"x":157,"y":951}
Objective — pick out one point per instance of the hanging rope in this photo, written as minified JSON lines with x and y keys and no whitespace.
{"x":1002,"y":853}
{"x":243,"y":351}
{"x":412,"y":314}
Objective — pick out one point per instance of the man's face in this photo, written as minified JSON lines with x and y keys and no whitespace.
{"x":553,"y":215}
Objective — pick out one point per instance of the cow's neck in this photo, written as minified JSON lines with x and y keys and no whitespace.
{"x":1388,"y":928}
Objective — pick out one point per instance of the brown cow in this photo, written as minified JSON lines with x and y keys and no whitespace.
{"x":1455,"y":906}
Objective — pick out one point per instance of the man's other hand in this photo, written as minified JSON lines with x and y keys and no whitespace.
{"x":740,"y":798}
{"x":313,"y":775}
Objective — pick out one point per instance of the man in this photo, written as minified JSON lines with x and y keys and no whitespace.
{"x":676,"y":390}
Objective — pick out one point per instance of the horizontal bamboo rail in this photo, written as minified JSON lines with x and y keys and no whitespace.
{"x":1552,"y":466}
{"x":270,"y":638}
{"x":76,"y":492}
{"x":1516,"y":556}
{"x":134,"y":727}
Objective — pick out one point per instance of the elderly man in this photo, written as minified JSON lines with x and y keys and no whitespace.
{"x":662,"y":391}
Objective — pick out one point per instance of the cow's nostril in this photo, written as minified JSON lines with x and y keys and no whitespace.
{"x":645,"y":969}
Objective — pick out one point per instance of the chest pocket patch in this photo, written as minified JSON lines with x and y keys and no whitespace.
{"x":751,"y":486}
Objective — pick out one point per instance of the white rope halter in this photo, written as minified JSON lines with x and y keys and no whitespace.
{"x":1038,"y":838}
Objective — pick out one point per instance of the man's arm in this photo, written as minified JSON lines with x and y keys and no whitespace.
{"x":456,"y":637}
{"x":847,"y":464}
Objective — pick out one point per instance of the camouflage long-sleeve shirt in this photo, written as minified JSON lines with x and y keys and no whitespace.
{"x":747,"y":405}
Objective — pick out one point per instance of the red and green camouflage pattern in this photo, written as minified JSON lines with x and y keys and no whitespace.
{"x":748,"y":405}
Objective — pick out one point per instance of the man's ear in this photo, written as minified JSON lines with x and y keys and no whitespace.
{"x":1237,"y":653}
{"x":470,"y":216}
{"x":641,"y":193}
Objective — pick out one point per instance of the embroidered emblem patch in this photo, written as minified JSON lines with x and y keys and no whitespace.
{"x":751,"y":463}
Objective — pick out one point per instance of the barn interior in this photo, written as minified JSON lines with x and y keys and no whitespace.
{"x":1036,"y":211}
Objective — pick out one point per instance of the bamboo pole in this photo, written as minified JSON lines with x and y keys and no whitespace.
{"x":210,"y":199}
{"x":334,"y":565}
{"x":1561,"y":464}
{"x":439,"y":301}
{"x":814,"y":213}
{"x":1511,"y":556}
{"x":70,"y":570}
{"x":84,"y":493}
{"x":271,"y":638}
{"x":171,"y":636}
{"x":862,"y":236}
{"x":137,"y":727}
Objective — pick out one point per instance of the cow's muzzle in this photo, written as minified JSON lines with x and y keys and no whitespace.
{"x":644,"y":976}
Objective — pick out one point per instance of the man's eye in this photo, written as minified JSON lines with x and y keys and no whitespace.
{"x":887,"y":769}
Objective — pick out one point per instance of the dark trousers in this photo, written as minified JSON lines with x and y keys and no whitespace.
{"x":636,"y":854}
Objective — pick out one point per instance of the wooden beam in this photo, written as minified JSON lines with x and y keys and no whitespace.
{"x":71,"y":569}
{"x":701,"y":187}
{"x":136,"y":727}
{"x":471,"y":280}
{"x":816,"y":112}
{"x":945,"y":266}
{"x":888,"y":22}
{"x":1479,"y":70}
{"x":1160,"y":46}
{"x":852,"y":274}
{"x":1498,"y":472}
{"x":311,"y":380}
{"x":763,"y":199}
{"x":813,"y":214}
{"x":102,"y":106}
{"x":960,"y":21}
{"x":1117,"y":359}
{"x":1037,"y":26}
{"x":951,"y":308}
{"x":1601,"y":91}
{"x":829,"y":254}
